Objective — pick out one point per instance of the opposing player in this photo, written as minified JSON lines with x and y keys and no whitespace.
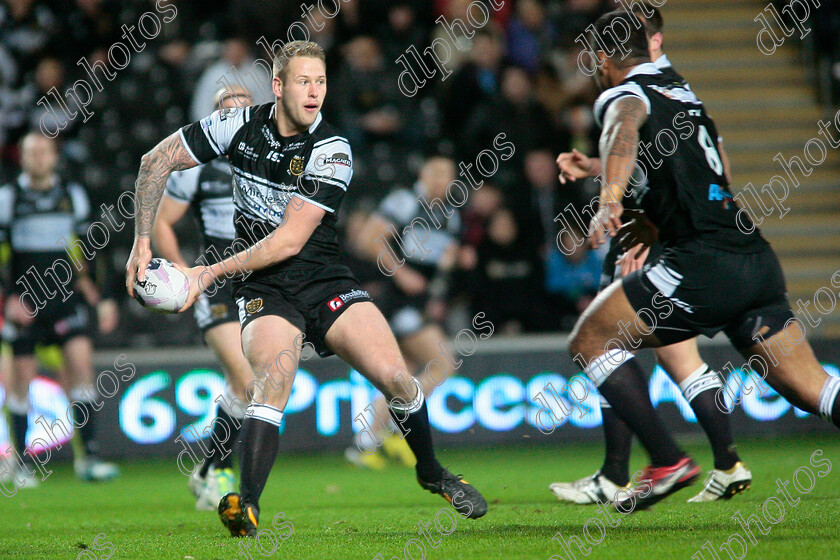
{"x":291,"y":170}
{"x":698,"y":382}
{"x":40,"y":213}
{"x":422,"y":277}
{"x":207,"y":190}
{"x":717,"y":273}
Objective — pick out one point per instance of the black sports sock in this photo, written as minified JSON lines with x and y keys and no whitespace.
{"x":418,"y":434}
{"x":631,"y":401}
{"x":699,"y":390}
{"x":217,"y":434}
{"x":260,"y":443}
{"x":20,"y":425}
{"x":225,"y":434}
{"x":84,"y":413}
{"x":619,"y":439}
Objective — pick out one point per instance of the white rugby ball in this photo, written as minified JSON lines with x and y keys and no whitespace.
{"x":165,"y":288}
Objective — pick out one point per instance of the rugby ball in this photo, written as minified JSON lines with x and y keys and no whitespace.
{"x":165,"y":289}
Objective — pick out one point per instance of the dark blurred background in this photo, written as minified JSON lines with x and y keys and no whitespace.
{"x":517,"y":75}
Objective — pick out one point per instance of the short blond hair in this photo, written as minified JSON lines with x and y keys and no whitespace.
{"x":293,"y":49}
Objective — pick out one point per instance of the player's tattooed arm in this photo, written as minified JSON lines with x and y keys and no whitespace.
{"x":155,"y":166}
{"x":619,"y":146}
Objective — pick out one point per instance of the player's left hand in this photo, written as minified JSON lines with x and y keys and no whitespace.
{"x":199,"y":278}
{"x":633,"y":259}
{"x":607,"y":219}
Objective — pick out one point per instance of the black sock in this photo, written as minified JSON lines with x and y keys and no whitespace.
{"x":699,"y":390}
{"x":20,"y":425}
{"x":627,"y":392}
{"x":87,"y":433}
{"x":418,"y":434}
{"x":619,"y":440}
{"x":260,"y":443}
{"x":225,"y":434}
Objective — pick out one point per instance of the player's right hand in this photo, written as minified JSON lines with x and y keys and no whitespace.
{"x":632,"y":260}
{"x":573,"y":165}
{"x":606,"y":222}
{"x":138,"y":260}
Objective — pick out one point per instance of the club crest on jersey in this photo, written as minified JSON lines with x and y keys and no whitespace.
{"x":254,"y":305}
{"x":297,"y":165}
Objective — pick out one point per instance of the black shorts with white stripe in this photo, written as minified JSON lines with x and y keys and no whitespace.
{"x":695,"y":289}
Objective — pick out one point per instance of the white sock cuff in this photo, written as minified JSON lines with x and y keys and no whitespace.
{"x":828,"y":395}
{"x":703,"y":379}
{"x":602,"y":367}
{"x":266,"y":413}
{"x":604,"y":402}
{"x":397,"y":405}
{"x":16,"y":405}
{"x":231,"y":404}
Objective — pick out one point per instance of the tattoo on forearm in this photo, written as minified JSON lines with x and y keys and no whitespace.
{"x":155,"y":167}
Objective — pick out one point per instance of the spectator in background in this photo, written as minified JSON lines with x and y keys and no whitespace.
{"x":547,"y":199}
{"x":401,"y":31}
{"x":572,"y":275}
{"x":475,"y":83}
{"x":371,"y":107}
{"x":90,"y":25}
{"x":28,"y":29}
{"x":236,"y":55}
{"x":50,"y":115}
{"x":505,"y":275}
{"x":530,"y":35}
{"x":516,"y":113}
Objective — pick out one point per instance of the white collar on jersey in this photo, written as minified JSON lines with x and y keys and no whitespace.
{"x":662,"y":62}
{"x":646,"y":68}
{"x":312,"y":128}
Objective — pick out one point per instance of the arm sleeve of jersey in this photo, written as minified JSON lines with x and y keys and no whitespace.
{"x":327,"y":174}
{"x":81,"y":208}
{"x":6,"y":208}
{"x":609,"y":96}
{"x":210,"y":137}
{"x":398,"y":207}
{"x":182,"y":185}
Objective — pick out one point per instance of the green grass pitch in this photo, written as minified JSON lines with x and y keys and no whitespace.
{"x":341,"y":512}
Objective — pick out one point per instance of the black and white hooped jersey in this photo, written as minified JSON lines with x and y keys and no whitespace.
{"x":208,"y":189}
{"x":39,"y":225}
{"x":686,"y":192}
{"x":401,"y":207}
{"x":270,"y":170}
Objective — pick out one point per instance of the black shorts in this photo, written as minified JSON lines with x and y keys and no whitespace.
{"x":406,"y":314}
{"x":310,"y":299}
{"x":217,"y":307}
{"x":610,"y":272}
{"x":696,"y":289}
{"x":56,"y":323}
